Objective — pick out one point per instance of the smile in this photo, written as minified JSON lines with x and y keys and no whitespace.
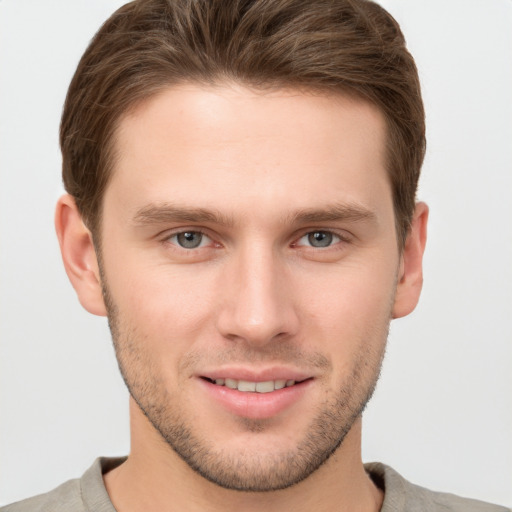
{"x":255,"y":396}
{"x":247,"y":386}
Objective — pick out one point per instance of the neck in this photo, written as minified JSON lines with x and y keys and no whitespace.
{"x":155,"y":478}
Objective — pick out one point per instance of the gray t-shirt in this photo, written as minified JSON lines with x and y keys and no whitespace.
{"x":88,"y":494}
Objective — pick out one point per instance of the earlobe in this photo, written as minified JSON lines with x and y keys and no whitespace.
{"x":411,"y":265}
{"x":79,"y":255}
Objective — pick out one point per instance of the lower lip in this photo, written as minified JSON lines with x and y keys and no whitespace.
{"x":256,"y":405}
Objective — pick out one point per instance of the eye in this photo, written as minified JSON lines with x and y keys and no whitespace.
{"x":319,"y":239}
{"x":189,"y":239}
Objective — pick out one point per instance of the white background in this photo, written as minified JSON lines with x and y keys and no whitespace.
{"x":442,"y":415}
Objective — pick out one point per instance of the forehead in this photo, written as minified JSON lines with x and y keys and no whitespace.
{"x":229,"y":146}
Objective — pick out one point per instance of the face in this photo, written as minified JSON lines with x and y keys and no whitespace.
{"x":249,"y":266}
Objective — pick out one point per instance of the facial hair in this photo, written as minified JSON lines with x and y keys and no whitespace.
{"x":254,"y":472}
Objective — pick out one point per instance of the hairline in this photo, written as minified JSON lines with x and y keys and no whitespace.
{"x":112,"y":154}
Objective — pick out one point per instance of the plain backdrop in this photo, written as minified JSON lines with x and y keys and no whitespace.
{"x":442,"y":414}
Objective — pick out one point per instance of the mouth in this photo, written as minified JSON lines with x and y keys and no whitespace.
{"x":252,"y":396}
{"x":248,"y":386}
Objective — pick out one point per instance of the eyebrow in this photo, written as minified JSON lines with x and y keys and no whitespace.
{"x":168,"y":212}
{"x":349,"y":212}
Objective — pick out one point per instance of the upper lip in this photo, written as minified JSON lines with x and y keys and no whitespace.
{"x":256,"y":375}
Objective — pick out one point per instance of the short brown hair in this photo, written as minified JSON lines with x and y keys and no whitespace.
{"x":347,"y":46}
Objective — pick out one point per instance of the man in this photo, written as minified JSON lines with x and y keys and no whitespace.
{"x":241,"y":204}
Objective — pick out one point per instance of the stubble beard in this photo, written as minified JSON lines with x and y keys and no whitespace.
{"x":256,"y":472}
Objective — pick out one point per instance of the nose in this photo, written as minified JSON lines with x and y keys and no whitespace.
{"x":257,"y":305}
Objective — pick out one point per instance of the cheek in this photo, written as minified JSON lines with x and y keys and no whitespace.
{"x":162,"y":301}
{"x":349,"y":303}
{"x":160,"y":317}
{"x":178,"y":304}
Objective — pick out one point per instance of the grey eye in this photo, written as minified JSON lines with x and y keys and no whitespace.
{"x":320,"y":238}
{"x":189,"y":239}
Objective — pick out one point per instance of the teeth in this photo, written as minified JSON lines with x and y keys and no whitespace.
{"x":244,"y":385}
{"x":264,"y":387}
{"x":231,"y":383}
{"x":255,"y":387}
{"x":279,"y":384}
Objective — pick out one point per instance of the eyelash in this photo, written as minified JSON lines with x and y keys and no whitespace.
{"x":331,"y":238}
{"x":168,"y":238}
{"x":339,"y":238}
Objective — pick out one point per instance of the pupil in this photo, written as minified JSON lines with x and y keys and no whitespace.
{"x":190,"y":239}
{"x":320,"y":239}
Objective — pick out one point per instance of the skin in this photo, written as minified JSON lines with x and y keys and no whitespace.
{"x":256,"y":296}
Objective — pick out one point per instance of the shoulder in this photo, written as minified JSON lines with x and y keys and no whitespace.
{"x":86,"y":494}
{"x":401,"y":495}
{"x":66,"y":497}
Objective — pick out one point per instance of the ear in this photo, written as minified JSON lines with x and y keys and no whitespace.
{"x":411,"y":264}
{"x":79,"y":255}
